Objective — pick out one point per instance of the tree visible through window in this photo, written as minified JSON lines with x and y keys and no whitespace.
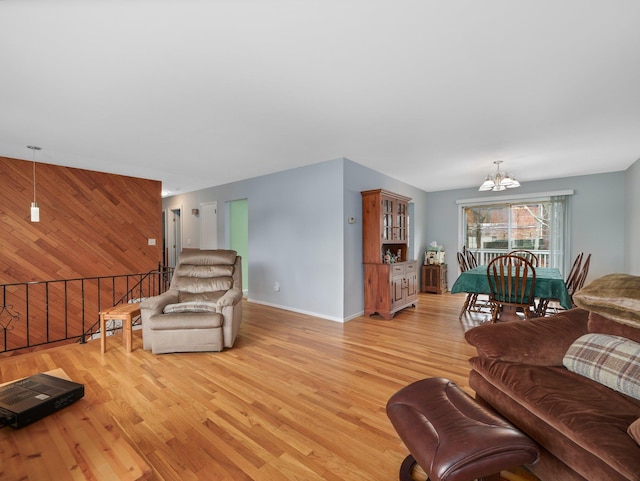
{"x":539,"y":223}
{"x":492,"y":230}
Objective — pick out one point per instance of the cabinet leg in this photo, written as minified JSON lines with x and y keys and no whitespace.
{"x":126,"y":332}
{"x":103,"y":334}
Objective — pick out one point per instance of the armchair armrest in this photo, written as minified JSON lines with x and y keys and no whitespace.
{"x":230,"y":298}
{"x":542,"y":341}
{"x":156,"y":304}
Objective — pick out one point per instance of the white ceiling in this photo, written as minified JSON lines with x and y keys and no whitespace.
{"x":202,"y":93}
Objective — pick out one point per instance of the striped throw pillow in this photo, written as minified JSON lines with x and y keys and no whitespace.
{"x":610,"y":360}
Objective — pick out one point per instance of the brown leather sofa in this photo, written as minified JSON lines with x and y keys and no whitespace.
{"x":202,"y":310}
{"x":585,"y":429}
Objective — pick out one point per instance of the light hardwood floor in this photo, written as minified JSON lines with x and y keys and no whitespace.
{"x":297,"y":398}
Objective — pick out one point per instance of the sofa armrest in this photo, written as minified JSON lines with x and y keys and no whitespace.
{"x":155,"y":305}
{"x":230,"y":298}
{"x":542,"y":341}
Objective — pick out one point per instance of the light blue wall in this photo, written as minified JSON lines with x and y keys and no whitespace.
{"x":356,"y":179}
{"x":299,"y":235}
{"x":295,"y":235}
{"x":632,"y":219}
{"x":597,"y":218}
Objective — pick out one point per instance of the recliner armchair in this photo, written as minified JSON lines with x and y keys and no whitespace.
{"x":202,"y":310}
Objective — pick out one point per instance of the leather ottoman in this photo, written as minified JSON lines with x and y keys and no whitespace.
{"x":452,"y":437}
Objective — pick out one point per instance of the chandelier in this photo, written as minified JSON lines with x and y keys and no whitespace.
{"x":499,"y":181}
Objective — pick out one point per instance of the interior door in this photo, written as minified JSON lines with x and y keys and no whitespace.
{"x":174,"y":235}
{"x":209,"y":225}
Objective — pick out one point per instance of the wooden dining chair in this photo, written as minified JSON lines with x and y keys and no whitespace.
{"x":581,"y":277}
{"x":525,"y":254}
{"x":473,"y":302}
{"x":472,"y":262}
{"x":574,"y":281}
{"x":574,"y":273}
{"x":512,"y":282}
{"x":462,"y":262}
{"x":463,"y":266}
{"x":570,"y":281}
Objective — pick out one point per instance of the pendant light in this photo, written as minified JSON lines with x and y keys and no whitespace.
{"x":35,"y":210}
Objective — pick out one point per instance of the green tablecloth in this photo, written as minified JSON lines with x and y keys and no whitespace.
{"x":549,"y":284}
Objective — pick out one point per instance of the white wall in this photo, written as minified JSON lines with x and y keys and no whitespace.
{"x":597,"y":218}
{"x":632,"y":219}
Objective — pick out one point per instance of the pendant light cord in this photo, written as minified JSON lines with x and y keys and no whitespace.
{"x":34,"y":178}
{"x":33,"y":150}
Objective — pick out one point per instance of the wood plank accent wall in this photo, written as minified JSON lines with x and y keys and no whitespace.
{"x":91,"y":223}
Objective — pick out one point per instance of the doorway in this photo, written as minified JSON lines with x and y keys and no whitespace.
{"x":239,"y":235}
{"x":173,"y":234}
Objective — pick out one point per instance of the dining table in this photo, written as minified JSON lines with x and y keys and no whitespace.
{"x":549,"y":284}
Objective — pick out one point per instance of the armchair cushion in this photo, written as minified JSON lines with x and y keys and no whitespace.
{"x":185,"y":321}
{"x":202,"y":284}
{"x":211,"y":297}
{"x":193,"y":306}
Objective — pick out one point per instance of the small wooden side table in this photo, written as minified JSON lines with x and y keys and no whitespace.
{"x":124,"y":313}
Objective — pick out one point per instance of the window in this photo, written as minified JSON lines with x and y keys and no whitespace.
{"x":538,"y":224}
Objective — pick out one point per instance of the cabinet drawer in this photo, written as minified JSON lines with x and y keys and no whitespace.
{"x":397,"y":269}
{"x":411,"y":267}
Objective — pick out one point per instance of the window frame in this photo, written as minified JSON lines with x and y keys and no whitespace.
{"x":561,"y":261}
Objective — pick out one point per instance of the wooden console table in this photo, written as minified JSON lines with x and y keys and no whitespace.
{"x":434,"y":278}
{"x":121,"y":312}
{"x":70,"y":445}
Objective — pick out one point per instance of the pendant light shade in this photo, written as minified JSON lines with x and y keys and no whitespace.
{"x":35,"y":212}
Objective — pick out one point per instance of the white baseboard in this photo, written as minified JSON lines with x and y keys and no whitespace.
{"x":308,"y":313}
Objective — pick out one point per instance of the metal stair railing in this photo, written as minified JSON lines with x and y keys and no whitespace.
{"x":40,"y":313}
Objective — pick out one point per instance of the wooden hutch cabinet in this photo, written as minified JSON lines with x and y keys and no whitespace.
{"x":434,"y":278}
{"x":390,"y":279}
